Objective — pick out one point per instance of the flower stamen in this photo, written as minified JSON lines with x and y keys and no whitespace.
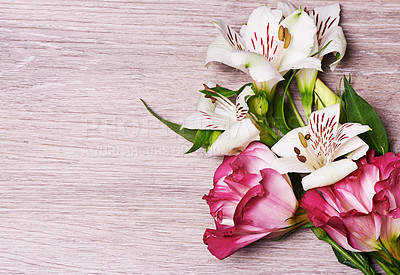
{"x":301,"y":158}
{"x":303,"y":140}
{"x":287,"y":41}
{"x":281,"y":33}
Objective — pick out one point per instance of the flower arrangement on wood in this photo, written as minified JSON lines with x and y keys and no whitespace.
{"x":275,"y":158}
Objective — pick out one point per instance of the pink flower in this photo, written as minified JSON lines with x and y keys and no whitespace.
{"x":362,"y":208}
{"x":249,"y":201}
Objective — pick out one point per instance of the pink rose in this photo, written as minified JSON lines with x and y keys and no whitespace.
{"x":249,"y":201}
{"x":362,"y":208}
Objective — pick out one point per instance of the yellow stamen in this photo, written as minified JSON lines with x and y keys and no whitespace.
{"x":303,"y":140}
{"x":281,"y":33}
{"x":287,"y":41}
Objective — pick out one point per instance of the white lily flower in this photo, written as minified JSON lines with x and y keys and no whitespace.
{"x":267,"y":46}
{"x":326,"y":20}
{"x":219,"y":113}
{"x":314,"y":148}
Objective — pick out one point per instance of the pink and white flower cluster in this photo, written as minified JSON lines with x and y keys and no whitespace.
{"x":249,"y":201}
{"x":362,"y":211}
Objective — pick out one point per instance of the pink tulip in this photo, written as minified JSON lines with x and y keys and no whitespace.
{"x":249,"y":201}
{"x":363,"y":207}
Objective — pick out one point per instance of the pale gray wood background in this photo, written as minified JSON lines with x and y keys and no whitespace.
{"x":91,"y":183}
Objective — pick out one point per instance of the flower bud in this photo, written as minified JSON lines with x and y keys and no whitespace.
{"x":258,"y":105}
{"x":324,"y":97}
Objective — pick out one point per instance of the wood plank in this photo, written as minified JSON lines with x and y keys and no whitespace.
{"x":91,"y":183}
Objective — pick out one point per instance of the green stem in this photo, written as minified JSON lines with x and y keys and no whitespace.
{"x":296,"y":112}
{"x":291,"y":102}
{"x":362,"y":267}
{"x":385,"y":268}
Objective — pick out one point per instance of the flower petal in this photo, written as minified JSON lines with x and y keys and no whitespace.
{"x":327,"y":21}
{"x":207,"y":121}
{"x":260,"y":150}
{"x":337,"y":46}
{"x":241,"y":102}
{"x":262,"y":31}
{"x":355,"y":145}
{"x":291,"y":164}
{"x":305,"y":63}
{"x":205,"y":104}
{"x":302,"y":30}
{"x":230,"y":35}
{"x":284,"y":147}
{"x":234,"y":139}
{"x":251,"y":209}
{"x":286,"y":7}
{"x":222,"y":244}
{"x":361,"y":230}
{"x":326,"y":118}
{"x":329,"y":174}
{"x":258,"y":66}
{"x":220,"y":50}
{"x":345,"y":134}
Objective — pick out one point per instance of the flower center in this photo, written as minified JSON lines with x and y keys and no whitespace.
{"x":307,"y":154}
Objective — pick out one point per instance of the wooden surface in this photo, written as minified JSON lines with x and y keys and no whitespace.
{"x":91,"y":183}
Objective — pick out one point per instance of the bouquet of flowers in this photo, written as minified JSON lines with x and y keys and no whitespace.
{"x":330,"y":170}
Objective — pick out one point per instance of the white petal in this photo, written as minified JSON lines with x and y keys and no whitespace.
{"x":305,"y":63}
{"x":355,"y":145}
{"x":235,"y":139}
{"x":262,"y":30}
{"x":329,"y":174}
{"x":359,"y":152}
{"x":259,"y":67}
{"x":327,"y":21}
{"x":287,"y":8}
{"x":326,"y":16}
{"x":302,"y":30}
{"x":207,"y":117}
{"x":207,"y":121}
{"x":291,"y":164}
{"x":230,"y":35}
{"x":205,"y":104}
{"x":337,"y":46}
{"x":353,"y":129}
{"x":220,"y":50}
{"x":285,"y":146}
{"x":345,"y":133}
{"x":241,"y":102}
{"x":327,"y":117}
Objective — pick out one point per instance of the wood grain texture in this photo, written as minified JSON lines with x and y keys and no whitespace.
{"x":91,"y":183}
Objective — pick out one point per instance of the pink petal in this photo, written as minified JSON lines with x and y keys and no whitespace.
{"x":362,"y":230}
{"x":225,"y":168}
{"x":223,"y":244}
{"x":386,"y":163}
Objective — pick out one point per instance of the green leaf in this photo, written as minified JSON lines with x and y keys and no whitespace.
{"x":224,"y":91}
{"x":201,"y":139}
{"x":188,"y":134}
{"x":359,"y":111}
{"x":341,"y":259}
